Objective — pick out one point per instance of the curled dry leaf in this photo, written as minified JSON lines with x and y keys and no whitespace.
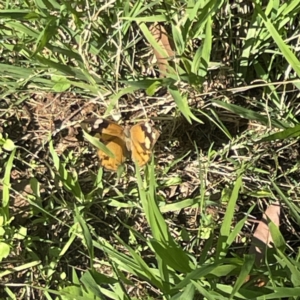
{"x":161,"y":37}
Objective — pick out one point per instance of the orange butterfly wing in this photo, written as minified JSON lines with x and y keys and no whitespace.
{"x":139,"y":139}
{"x":112,"y":136}
{"x":118,"y":147}
{"x":143,"y":137}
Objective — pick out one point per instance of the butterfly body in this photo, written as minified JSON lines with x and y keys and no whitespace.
{"x":138,"y":140}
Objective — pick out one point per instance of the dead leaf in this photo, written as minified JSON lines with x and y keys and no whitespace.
{"x":161,"y":37}
{"x":262,"y":238}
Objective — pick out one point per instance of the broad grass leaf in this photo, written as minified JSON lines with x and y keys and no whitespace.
{"x":178,"y":40}
{"x":6,"y":185}
{"x":94,"y":281}
{"x":181,"y":102}
{"x":250,"y":42}
{"x":238,"y":227}
{"x":22,"y":267}
{"x":17,"y":14}
{"x":70,"y":53}
{"x":282,"y":135}
{"x":65,"y":70}
{"x":202,"y":57}
{"x":21,"y":234}
{"x":75,"y":278}
{"x":22,"y":29}
{"x":245,"y":293}
{"x":46,"y":35}
{"x":133,"y":265}
{"x":187,"y":293}
{"x":281,"y":293}
{"x":140,"y":8}
{"x":292,"y":267}
{"x":46,"y":6}
{"x":155,"y":219}
{"x":61,"y":84}
{"x":15,"y":71}
{"x":124,"y":261}
{"x":113,"y":100}
{"x":208,"y":245}
{"x":208,"y":294}
{"x":4,"y":250}
{"x":287,"y":53}
{"x":251,"y":115}
{"x":76,"y":292}
{"x":225,"y":229}
{"x":245,"y":271}
{"x":232,"y":266}
{"x":214,"y":118}
{"x":192,"y":9}
{"x":86,"y":234}
{"x":70,"y":292}
{"x":150,"y":91}
{"x":199,"y":272}
{"x":206,"y":9}
{"x":277,"y":238}
{"x":178,"y":261}
{"x":36,"y":187}
{"x":96,"y":142}
{"x":144,"y":270}
{"x":293,"y":209}
{"x":9,"y":145}
{"x":152,"y":19}
{"x":180,"y":205}
{"x":163,"y":242}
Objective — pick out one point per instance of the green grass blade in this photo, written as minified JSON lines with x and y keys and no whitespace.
{"x":70,"y":181}
{"x":163,"y":242}
{"x":46,"y":35}
{"x":209,"y":295}
{"x":6,"y":186}
{"x":17,"y":14}
{"x":143,"y":267}
{"x":202,"y":57}
{"x":245,"y":271}
{"x":292,"y":267}
{"x":199,"y":272}
{"x":238,"y":227}
{"x":226,"y":224}
{"x":86,"y":235}
{"x":187,"y":293}
{"x":181,"y":102}
{"x":282,"y":135}
{"x":150,"y":38}
{"x":251,"y":115}
{"x":278,"y":240}
{"x":93,"y":281}
{"x":287,"y":53}
{"x":178,"y":39}
{"x":294,"y":210}
{"x":96,"y":142}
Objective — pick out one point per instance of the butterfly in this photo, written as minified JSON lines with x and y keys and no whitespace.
{"x":138,"y":140}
